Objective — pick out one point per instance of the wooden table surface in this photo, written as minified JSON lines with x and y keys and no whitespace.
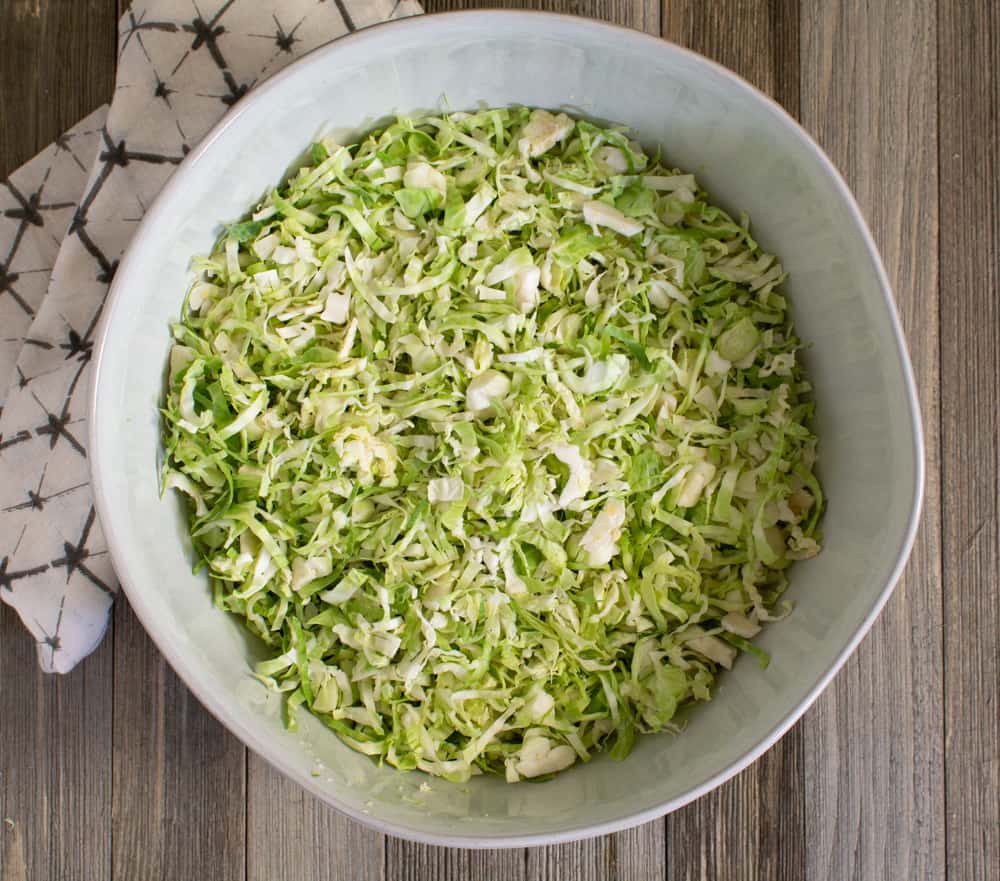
{"x":115,"y":771}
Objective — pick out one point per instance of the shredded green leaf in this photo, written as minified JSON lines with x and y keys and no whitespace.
{"x":246,"y":231}
{"x":493,"y":430}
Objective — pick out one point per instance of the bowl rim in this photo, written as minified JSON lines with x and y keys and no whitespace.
{"x":188,"y":671}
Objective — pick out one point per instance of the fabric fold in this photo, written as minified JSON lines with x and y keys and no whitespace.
{"x":67,"y":217}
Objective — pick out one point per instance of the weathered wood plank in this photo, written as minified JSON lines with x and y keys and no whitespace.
{"x":291,"y":836}
{"x":179,"y":789}
{"x":643,"y":15}
{"x":57,"y":64}
{"x":55,"y":763}
{"x":753,"y":826}
{"x":969,"y":126}
{"x":634,"y":855}
{"x":758,"y":39}
{"x":51,"y":74}
{"x":406,"y":861}
{"x":873,"y":747}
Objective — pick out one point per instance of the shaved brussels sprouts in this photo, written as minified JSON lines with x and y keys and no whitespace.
{"x":492,"y":428}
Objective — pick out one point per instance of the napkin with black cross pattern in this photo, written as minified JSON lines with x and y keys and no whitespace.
{"x":65,"y":219}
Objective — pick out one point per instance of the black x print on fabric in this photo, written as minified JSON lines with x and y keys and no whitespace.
{"x":181,"y":64}
{"x":75,"y":555}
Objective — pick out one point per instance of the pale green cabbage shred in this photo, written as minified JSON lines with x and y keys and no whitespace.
{"x":493,"y":430}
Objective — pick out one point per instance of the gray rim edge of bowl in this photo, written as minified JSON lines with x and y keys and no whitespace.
{"x":190,"y":675}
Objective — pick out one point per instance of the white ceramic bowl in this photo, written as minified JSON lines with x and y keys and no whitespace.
{"x":751,"y":156}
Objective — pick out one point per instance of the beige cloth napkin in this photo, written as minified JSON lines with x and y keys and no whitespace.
{"x":65,"y":219}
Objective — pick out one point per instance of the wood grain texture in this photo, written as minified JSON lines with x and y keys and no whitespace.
{"x":56,"y":65}
{"x":179,"y":789}
{"x":969,"y":123}
{"x":753,"y":826}
{"x":758,"y":39}
{"x":873,"y":744}
{"x":406,"y":861}
{"x":55,"y":763}
{"x":643,"y":15}
{"x":293,"y":837}
{"x":116,"y":772}
{"x":633,"y":855}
